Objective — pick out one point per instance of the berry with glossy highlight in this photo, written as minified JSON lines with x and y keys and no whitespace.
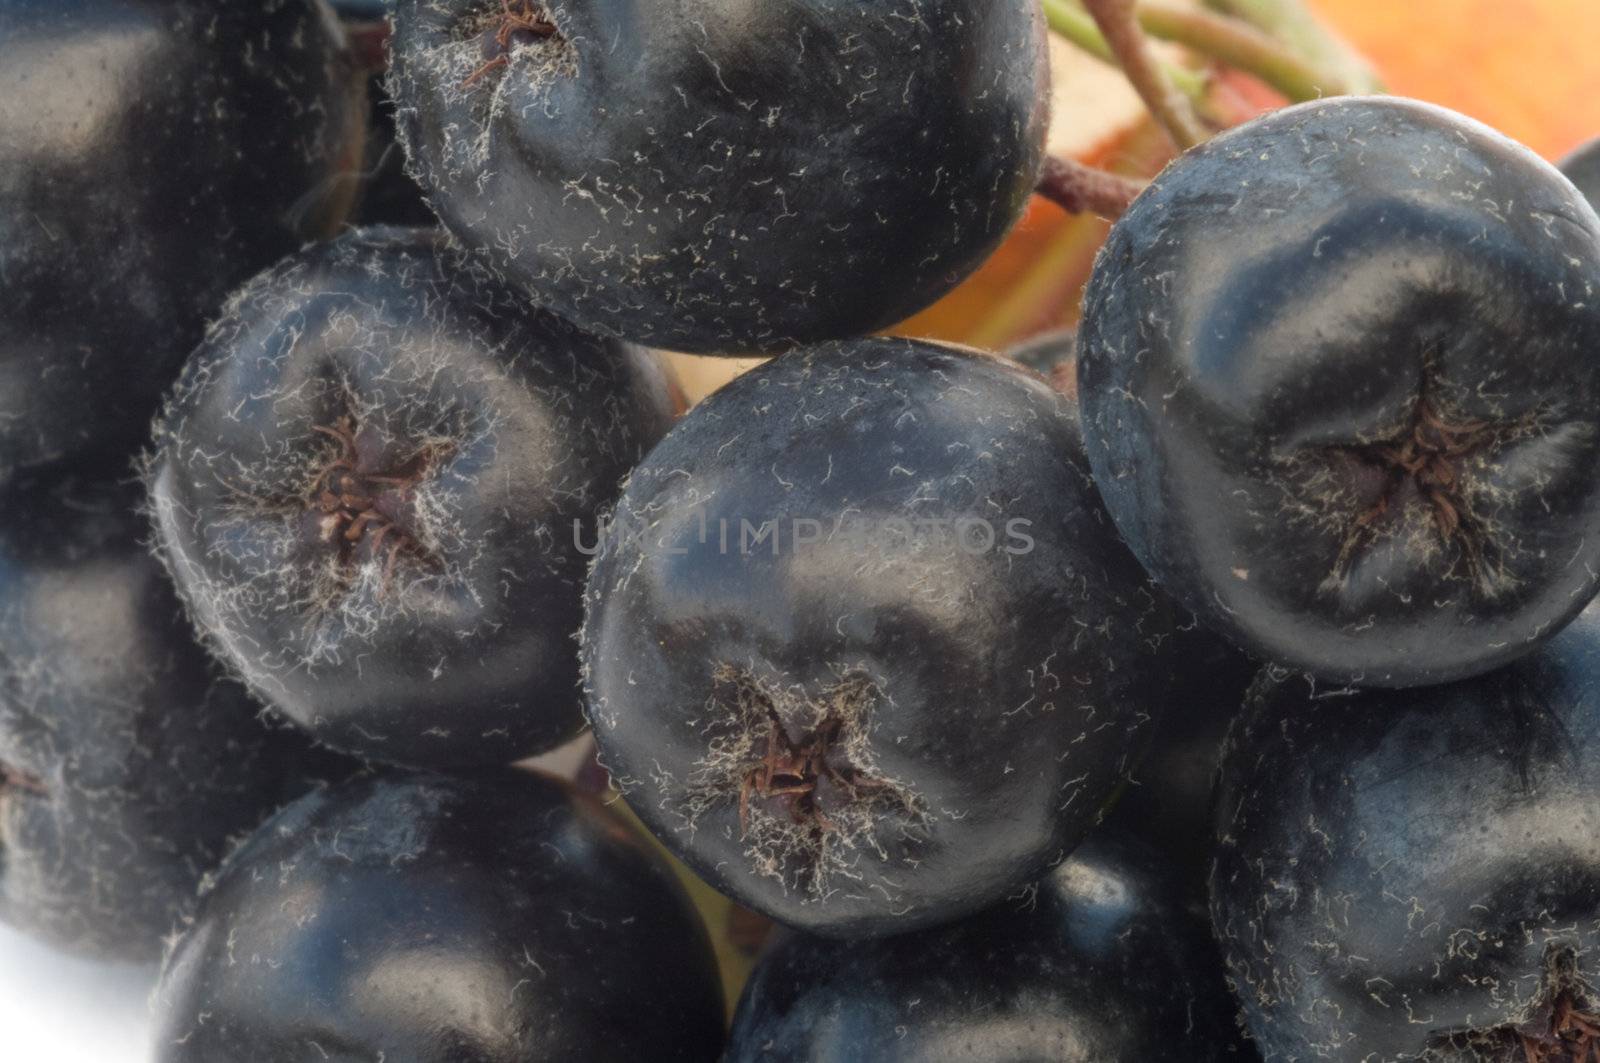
{"x":127,"y":763}
{"x":1415,"y":874}
{"x":372,"y":483}
{"x":153,"y":155}
{"x":862,"y":646}
{"x":1103,"y":959}
{"x":1340,"y":375}
{"x":719,"y":176}
{"x":432,"y":919}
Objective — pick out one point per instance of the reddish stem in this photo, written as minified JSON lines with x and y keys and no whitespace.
{"x":367,"y":44}
{"x":1080,"y":189}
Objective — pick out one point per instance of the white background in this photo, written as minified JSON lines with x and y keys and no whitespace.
{"x":56,"y":1009}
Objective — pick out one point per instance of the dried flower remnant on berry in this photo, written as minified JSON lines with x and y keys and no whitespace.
{"x":1429,"y":463}
{"x":801,"y":772}
{"x":360,"y":508}
{"x":520,"y":23}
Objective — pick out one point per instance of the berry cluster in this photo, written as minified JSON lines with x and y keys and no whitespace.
{"x":1216,"y":680}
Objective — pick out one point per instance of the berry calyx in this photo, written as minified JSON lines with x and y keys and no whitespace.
{"x":520,"y":23}
{"x":360,"y":505}
{"x":1422,"y":463}
{"x":1564,"y":1028}
{"x":1573,"y":1036}
{"x":799,"y":773}
{"x":801,"y":770}
{"x":13,"y":780}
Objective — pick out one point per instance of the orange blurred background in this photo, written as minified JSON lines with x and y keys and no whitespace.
{"x":1526,"y":67}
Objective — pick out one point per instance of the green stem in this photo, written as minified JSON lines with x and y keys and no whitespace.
{"x":1236,"y":43}
{"x":1233,"y":42}
{"x":1076,"y":26}
{"x":1291,"y":22}
{"x":1119,"y":24}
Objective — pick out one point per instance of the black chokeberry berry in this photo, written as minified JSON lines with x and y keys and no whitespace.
{"x":1340,"y":374}
{"x":373,"y":484}
{"x":1415,"y":874}
{"x":1053,"y":355}
{"x":431,"y":919}
{"x":153,"y":155}
{"x":718,"y":176}
{"x":127,"y":763}
{"x":1103,"y":959}
{"x":862,"y":646}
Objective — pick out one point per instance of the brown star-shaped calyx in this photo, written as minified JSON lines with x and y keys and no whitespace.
{"x":361,"y":510}
{"x":1426,"y":461}
{"x":519,"y":22}
{"x":793,"y":769}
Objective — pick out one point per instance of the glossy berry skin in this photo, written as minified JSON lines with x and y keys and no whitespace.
{"x":1582,"y":168}
{"x":1397,"y":869}
{"x":369,"y":485}
{"x":127,"y":764}
{"x":153,"y":155}
{"x":1102,"y":960}
{"x":866,"y":722}
{"x":1340,"y":375}
{"x":433,"y":919}
{"x":1167,"y":801}
{"x":722,"y":177}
